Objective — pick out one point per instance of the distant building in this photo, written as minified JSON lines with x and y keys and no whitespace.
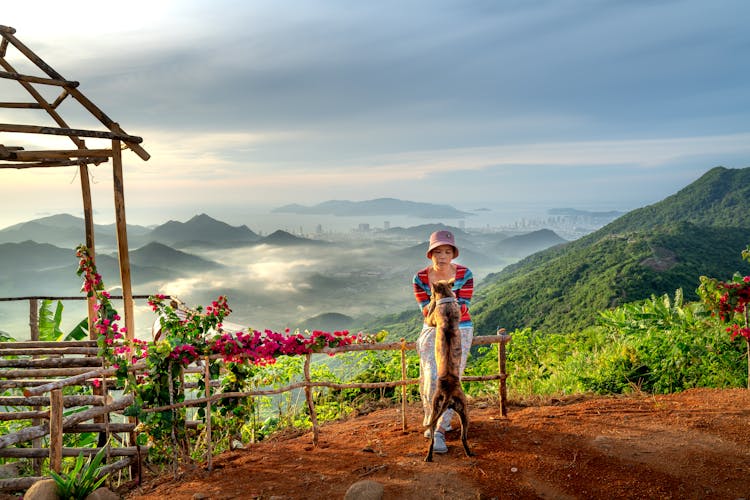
{"x":363,"y":227}
{"x":387,"y":224}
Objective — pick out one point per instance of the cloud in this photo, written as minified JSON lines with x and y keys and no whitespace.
{"x":261,"y":102}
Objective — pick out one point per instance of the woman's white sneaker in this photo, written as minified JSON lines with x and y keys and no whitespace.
{"x":440,"y":446}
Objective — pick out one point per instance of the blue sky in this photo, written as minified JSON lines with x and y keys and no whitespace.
{"x":587,"y":104}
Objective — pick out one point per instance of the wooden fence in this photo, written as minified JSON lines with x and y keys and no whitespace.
{"x":41,"y":370}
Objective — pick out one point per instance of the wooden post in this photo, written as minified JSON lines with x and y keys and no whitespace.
{"x":174,"y":420}
{"x":124,"y":260}
{"x":207,"y":379}
{"x":34,"y":319}
{"x":503,"y":375}
{"x":56,"y":430}
{"x":403,"y":387}
{"x":308,"y":397}
{"x":34,"y":327}
{"x":122,"y":239}
{"x":88,"y":219}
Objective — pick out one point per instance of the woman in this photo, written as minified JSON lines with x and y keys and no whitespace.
{"x":442,"y":250}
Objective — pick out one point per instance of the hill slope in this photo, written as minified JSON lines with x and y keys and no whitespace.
{"x":701,"y":230}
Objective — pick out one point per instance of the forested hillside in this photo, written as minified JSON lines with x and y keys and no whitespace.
{"x":701,"y":230}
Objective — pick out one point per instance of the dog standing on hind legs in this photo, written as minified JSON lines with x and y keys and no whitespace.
{"x":444,"y":314}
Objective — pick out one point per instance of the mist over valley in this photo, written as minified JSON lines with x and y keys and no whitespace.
{"x":310,"y":280}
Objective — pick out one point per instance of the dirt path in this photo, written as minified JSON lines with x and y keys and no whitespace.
{"x":690,"y":445}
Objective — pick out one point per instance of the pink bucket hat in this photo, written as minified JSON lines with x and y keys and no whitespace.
{"x":439,"y":238}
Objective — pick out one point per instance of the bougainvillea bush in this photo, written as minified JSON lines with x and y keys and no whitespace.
{"x":730,"y":300}
{"x":189,"y":335}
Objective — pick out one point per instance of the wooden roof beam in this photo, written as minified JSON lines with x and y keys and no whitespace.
{"x":47,"y":164}
{"x":109,"y":123}
{"x":70,"y":132}
{"x":61,"y":154}
{"x":38,"y":79}
{"x":60,"y":98}
{"x":26,"y":105}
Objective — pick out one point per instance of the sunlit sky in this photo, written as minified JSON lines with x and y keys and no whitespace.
{"x":584,"y":104}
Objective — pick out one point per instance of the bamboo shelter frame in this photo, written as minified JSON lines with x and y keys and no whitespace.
{"x":80,"y":155}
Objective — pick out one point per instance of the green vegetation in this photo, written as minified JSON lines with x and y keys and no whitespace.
{"x":650,"y":251}
{"x":658,"y":345}
{"x":85,"y":477}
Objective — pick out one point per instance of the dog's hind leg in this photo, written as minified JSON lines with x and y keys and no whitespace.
{"x":460,"y":408}
{"x":439,"y":405}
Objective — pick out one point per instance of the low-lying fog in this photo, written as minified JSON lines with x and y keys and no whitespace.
{"x":270,"y":284}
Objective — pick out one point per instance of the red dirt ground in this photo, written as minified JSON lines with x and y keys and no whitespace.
{"x":694,"y":444}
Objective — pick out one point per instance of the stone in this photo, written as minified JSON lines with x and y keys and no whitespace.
{"x":44,"y":489}
{"x":103,"y":493}
{"x":8,"y":471}
{"x":365,"y":490}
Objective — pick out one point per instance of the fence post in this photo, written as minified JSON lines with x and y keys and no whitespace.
{"x":55,"y":430}
{"x":310,"y":403}
{"x":403,"y":387}
{"x":34,"y":331}
{"x":207,"y":380}
{"x":177,"y":452}
{"x":503,"y":375}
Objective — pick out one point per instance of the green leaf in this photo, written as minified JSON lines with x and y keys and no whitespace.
{"x":81,"y":331}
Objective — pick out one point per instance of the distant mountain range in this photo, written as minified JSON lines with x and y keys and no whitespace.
{"x":280,"y":279}
{"x":65,"y":230}
{"x":38,"y":257}
{"x":376,"y":207}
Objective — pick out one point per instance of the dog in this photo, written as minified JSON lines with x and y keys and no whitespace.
{"x":444,"y":314}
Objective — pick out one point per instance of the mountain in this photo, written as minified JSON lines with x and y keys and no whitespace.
{"x":65,"y":230}
{"x":201,"y":228}
{"x":701,"y":230}
{"x":328,"y":322}
{"x":283,"y":238}
{"x":30,"y":268}
{"x":161,"y":256}
{"x":525,"y":244}
{"x":379,"y":206}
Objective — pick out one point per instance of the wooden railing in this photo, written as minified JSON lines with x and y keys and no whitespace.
{"x":35,"y":369}
{"x":33,"y":301}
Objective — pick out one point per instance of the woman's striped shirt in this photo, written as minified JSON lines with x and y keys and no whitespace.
{"x":463,"y":287}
